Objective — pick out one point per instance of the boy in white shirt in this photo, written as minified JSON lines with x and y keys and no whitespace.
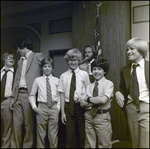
{"x":98,"y":103}
{"x":48,"y":104}
{"x":72,"y":114}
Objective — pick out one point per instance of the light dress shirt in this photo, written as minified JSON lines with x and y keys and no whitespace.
{"x":143,"y":89}
{"x":105,"y":88}
{"x":9,"y":81}
{"x":39,"y":85}
{"x":23,"y":72}
{"x":82,"y":80}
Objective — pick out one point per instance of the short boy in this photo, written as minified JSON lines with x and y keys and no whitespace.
{"x":98,"y":103}
{"x":70,"y":96}
{"x":48,"y":104}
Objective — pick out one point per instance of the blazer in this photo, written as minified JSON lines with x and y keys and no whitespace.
{"x":33,"y":71}
{"x":125,"y":81}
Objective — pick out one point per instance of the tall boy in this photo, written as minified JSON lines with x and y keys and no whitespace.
{"x":98,"y":103}
{"x":134,"y":92}
{"x":28,"y":69}
{"x":7,"y":78}
{"x":48,"y":104}
{"x":72,"y":88}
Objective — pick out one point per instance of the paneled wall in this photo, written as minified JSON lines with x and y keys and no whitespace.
{"x":114,"y":31}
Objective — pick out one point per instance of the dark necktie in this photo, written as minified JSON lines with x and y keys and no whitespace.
{"x":134,"y":87}
{"x":3,"y":83}
{"x":49,"y":94}
{"x":71,"y":96}
{"x":95,"y":93}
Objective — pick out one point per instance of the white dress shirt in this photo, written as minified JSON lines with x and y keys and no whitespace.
{"x":9,"y":81}
{"x":24,"y":65}
{"x":143,"y":89}
{"x":105,"y":88}
{"x":39,"y":85}
{"x":82,"y":80}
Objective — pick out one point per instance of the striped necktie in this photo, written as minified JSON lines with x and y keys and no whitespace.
{"x":71,"y":95}
{"x":49,"y":94}
{"x":95,"y":94}
{"x":134,"y":87}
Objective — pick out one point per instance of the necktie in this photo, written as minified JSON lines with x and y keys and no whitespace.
{"x":95,"y":93}
{"x":49,"y":94}
{"x":134,"y":87}
{"x":3,"y":83}
{"x":71,"y":96}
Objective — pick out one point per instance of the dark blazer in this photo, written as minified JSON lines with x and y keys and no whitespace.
{"x":32,"y":71}
{"x":125,"y":80}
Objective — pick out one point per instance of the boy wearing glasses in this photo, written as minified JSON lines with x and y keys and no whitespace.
{"x":7,"y":78}
{"x":72,"y":87}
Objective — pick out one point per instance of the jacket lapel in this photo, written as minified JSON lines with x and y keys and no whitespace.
{"x":147,"y":72}
{"x":30,"y":59}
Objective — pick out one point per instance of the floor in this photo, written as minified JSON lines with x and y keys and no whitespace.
{"x":121,"y":144}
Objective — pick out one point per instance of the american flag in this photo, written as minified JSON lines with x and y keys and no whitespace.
{"x":96,"y":41}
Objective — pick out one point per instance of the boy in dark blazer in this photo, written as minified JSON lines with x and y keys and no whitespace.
{"x":28,"y":69}
{"x":136,"y":106}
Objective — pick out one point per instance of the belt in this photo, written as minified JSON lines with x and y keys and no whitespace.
{"x":100,"y":111}
{"x":22,"y":88}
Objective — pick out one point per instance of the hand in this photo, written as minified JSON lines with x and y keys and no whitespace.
{"x":38,"y":111}
{"x":120,"y":98}
{"x":63,"y":118}
{"x":11,"y":106}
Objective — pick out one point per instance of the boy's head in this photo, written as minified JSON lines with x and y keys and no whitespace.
{"x":8,"y":59}
{"x":100,"y":68}
{"x":73,"y":57}
{"x":22,"y":45}
{"x":47,"y":66}
{"x":136,"y":47}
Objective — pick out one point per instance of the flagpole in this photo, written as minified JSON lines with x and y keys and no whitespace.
{"x":98,"y":42}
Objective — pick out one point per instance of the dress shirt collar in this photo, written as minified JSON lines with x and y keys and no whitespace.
{"x":101,"y":80}
{"x":47,"y":76}
{"x":27,"y":55}
{"x":76,"y":70}
{"x":141,"y":63}
{"x":11,"y":69}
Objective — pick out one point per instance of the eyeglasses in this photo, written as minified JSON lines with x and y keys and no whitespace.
{"x":9,"y":58}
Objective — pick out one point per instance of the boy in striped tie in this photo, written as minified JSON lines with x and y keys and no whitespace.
{"x":48,"y":105}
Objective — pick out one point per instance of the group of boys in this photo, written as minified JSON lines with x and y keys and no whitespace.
{"x":84,"y":105}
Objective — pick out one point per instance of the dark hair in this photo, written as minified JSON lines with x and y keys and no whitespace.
{"x":101,"y":62}
{"x":93,"y":50}
{"x":23,"y":42}
{"x":47,"y":60}
{"x":5,"y":55}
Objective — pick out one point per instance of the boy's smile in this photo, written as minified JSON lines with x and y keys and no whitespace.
{"x":98,"y":73}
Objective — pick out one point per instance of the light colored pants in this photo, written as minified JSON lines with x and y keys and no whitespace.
{"x":6,"y":115}
{"x":100,"y":127}
{"x":49,"y":119}
{"x":139,"y":124}
{"x":22,"y":114}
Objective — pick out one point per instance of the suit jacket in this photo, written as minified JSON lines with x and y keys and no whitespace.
{"x":32,"y":71}
{"x":125,"y":80}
